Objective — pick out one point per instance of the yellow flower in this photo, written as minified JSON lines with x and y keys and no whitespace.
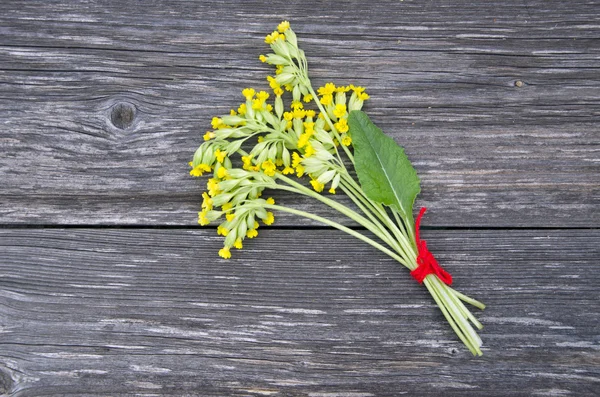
{"x":220,"y":155}
{"x":278,"y":91}
{"x":213,"y":187}
{"x":309,"y":127}
{"x":309,"y":150}
{"x":227,"y":206}
{"x":202,"y":219}
{"x":307,"y":98}
{"x":288,"y":116}
{"x":230,"y":217}
{"x":303,"y":140}
{"x":271,"y":38}
{"x":299,"y":171}
{"x":299,"y":113}
{"x":269,"y":219}
{"x":296,"y":159}
{"x":283,"y":26}
{"x":288,"y":170}
{"x":262,"y":58}
{"x":238,"y":243}
{"x":216,"y":122}
{"x":363,"y":96}
{"x":297,"y":105}
{"x":263,"y":95}
{"x":270,"y":200}
{"x":327,"y":99}
{"x":340,"y":110}
{"x":318,"y":186}
{"x":332,"y":191}
{"x":222,"y":231}
{"x":242,"y":109}
{"x":251,"y":233}
{"x":222,"y":172}
{"x":247,"y":160}
{"x":200,"y":169}
{"x":225,"y":253}
{"x":257,"y":104}
{"x":207,"y":201}
{"x":248,"y":93}
{"x":341,"y":125}
{"x":327,"y":89}
{"x":269,"y":168}
{"x":209,"y":135}
{"x":310,"y":113}
{"x":272,"y":82}
{"x":346,"y":141}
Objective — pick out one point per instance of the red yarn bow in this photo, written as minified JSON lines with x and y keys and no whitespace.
{"x":426,"y":262}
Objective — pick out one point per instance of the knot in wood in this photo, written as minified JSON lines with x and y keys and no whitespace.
{"x":6,"y":382}
{"x":122,"y":115}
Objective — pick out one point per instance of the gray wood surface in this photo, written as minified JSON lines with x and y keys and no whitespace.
{"x":152,"y":312}
{"x":108,"y":287}
{"x":497,"y":103}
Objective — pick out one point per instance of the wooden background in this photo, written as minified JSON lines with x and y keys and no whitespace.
{"x":109,"y":287}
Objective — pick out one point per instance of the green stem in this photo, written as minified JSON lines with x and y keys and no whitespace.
{"x":372,"y":227}
{"x":469,"y":300}
{"x":383,"y":215}
{"x":339,"y":227}
{"x":467,"y":331}
{"x":299,"y":188}
{"x":381,"y":227}
{"x":441,"y":304}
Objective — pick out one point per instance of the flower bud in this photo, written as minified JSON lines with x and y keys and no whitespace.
{"x":274,"y":59}
{"x":285,"y":156}
{"x":296,"y":93}
{"x":272,"y":152}
{"x":284,"y":78}
{"x":293,"y":51}
{"x":233,"y":120}
{"x":290,"y":36}
{"x":326,"y":176}
{"x":278,"y":106}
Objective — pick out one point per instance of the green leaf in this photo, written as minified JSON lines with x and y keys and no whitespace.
{"x":384,"y":172}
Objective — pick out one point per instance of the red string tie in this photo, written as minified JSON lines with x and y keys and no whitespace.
{"x":426,"y":262}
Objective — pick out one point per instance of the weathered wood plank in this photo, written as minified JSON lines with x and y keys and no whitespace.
{"x":442,"y":75}
{"x":156,"y":312}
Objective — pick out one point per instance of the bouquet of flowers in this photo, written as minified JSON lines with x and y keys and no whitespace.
{"x":308,"y":148}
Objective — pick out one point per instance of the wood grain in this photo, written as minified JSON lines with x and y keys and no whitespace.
{"x":155,"y":312}
{"x":102,"y":104}
{"x":497,"y":103}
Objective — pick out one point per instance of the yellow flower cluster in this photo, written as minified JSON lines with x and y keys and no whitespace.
{"x":297,"y":140}
{"x":337,"y":106}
